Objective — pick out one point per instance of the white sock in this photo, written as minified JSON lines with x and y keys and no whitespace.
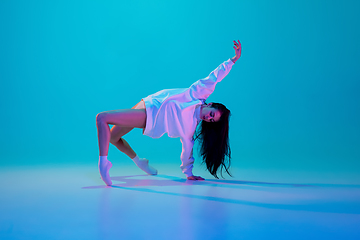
{"x":104,"y":167}
{"x":143,"y":164}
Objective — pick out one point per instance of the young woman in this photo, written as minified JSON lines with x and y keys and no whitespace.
{"x":176,"y":112}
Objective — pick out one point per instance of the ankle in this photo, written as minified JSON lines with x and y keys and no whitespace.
{"x":136,"y":159}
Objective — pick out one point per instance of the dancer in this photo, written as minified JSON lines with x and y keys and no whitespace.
{"x":176,"y":112}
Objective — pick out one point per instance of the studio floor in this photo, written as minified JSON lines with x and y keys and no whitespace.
{"x":71,"y":202}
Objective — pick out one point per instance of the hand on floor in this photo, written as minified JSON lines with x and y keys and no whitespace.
{"x":195,"y":178}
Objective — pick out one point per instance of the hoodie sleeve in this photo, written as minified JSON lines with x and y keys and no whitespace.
{"x":202,"y":88}
{"x":187,"y":159}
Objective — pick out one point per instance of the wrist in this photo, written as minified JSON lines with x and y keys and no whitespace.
{"x":234,"y":59}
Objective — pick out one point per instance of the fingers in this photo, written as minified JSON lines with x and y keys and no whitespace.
{"x":237,"y":44}
{"x":195,"y":178}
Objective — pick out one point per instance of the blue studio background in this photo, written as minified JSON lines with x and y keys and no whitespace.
{"x":294,"y":93}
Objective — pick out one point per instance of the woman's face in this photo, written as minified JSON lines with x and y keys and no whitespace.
{"x":209,"y":114}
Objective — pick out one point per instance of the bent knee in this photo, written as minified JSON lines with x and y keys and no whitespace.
{"x":100,"y":118}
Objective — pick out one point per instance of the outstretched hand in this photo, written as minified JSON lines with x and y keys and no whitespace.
{"x":237,"y":48}
{"x":195,"y":178}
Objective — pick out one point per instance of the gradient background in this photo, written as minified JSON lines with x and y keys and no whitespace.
{"x":294,"y":93}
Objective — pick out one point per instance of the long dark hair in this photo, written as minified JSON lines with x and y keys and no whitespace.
{"x":214,"y":142}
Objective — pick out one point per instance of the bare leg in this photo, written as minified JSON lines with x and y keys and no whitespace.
{"x":124,"y":121}
{"x":116,"y":139}
{"x":117,"y":132}
{"x":130,"y":118}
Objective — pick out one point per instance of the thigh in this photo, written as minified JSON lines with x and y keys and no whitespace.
{"x":134,"y":118}
{"x":118,"y":131}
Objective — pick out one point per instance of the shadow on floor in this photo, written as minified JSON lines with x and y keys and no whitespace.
{"x":165,"y":180}
{"x":322,"y":202}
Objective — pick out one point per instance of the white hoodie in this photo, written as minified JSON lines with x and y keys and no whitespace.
{"x":177,"y":112}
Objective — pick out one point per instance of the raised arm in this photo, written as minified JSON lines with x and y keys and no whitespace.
{"x":187,"y":159}
{"x":202,"y":88}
